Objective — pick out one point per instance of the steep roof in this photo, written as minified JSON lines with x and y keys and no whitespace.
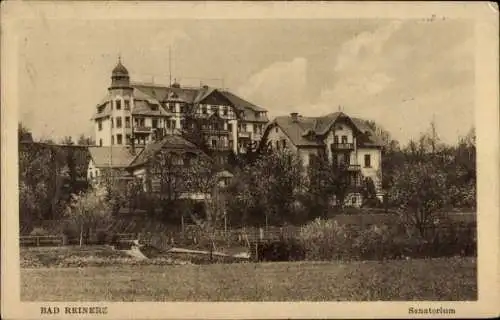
{"x":372,"y":140}
{"x":120,"y":69}
{"x":173,"y":142}
{"x":295,"y":130}
{"x":298,"y":130}
{"x":160,"y":93}
{"x":116,"y":156}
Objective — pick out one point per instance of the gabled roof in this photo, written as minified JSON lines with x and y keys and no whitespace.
{"x":240,"y":103}
{"x":307,"y":131}
{"x":116,"y":156}
{"x":155,"y":93}
{"x":203,"y":93}
{"x":172,"y":142}
{"x":295,"y":130}
{"x":372,"y":140}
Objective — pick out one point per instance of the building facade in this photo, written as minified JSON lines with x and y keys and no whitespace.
{"x":343,"y":139}
{"x":140,"y":113}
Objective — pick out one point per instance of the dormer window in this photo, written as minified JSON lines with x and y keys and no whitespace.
{"x":100,"y":109}
{"x":257,"y":114}
{"x":154,"y":107}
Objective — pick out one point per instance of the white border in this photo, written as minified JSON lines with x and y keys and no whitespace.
{"x":487,"y":115}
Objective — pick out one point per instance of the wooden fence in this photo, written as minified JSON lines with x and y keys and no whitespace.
{"x":59,"y":240}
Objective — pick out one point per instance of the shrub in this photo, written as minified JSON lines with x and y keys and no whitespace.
{"x":326,"y":240}
{"x":283,"y":250}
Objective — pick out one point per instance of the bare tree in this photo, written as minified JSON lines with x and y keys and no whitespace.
{"x":87,"y":210}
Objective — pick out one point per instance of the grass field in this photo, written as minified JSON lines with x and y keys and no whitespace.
{"x":433,"y":279}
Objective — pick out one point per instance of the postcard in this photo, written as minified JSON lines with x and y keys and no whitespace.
{"x":249,"y":160}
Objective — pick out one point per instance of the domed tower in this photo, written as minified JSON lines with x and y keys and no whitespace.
{"x":121,"y":104}
{"x":119,"y":77}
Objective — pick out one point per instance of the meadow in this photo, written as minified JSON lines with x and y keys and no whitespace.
{"x":443,"y":279}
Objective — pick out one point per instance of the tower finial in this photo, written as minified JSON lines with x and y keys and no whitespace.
{"x":119,"y":57}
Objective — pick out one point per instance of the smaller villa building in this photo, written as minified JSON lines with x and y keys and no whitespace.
{"x":344,"y":140}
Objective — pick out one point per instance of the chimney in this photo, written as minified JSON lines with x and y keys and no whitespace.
{"x":294,"y":116}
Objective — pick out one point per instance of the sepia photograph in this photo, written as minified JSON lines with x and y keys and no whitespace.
{"x":216,"y":158}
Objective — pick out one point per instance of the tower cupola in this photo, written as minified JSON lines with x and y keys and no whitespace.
{"x":119,"y":76}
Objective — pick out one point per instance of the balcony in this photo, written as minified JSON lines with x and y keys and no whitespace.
{"x":138,"y":129}
{"x":244,"y":134}
{"x":354,"y":167}
{"x":342,"y":146}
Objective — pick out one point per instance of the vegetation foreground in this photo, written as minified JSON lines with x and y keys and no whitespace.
{"x":424,"y":279}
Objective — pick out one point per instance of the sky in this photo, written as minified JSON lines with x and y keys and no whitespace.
{"x":399,"y":73}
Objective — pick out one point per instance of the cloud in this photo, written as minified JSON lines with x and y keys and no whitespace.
{"x":364,"y":46}
{"x":280,"y":87}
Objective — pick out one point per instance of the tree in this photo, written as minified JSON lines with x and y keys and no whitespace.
{"x":327,"y":181}
{"x":85,"y":141}
{"x":268,"y":188}
{"x":419,"y":192}
{"x":87,"y":210}
{"x":202,"y":182}
{"x":23,"y":133}
{"x":36,"y":180}
{"x":67,"y":140}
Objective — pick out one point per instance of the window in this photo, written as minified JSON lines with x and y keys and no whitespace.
{"x":367,"y":161}
{"x":118,"y":104}
{"x":173,"y":124}
{"x":112,"y":139}
{"x":100,"y":109}
{"x":139,"y":122}
{"x":99,"y":125}
{"x":119,"y":139}
{"x":284,"y":143}
{"x":257,"y":114}
{"x":127,"y":122}
{"x":255,"y":128}
{"x":155,"y":123}
{"x":204,"y":109}
{"x":183,"y":124}
{"x":154,"y":107}
{"x":276,"y":129}
{"x":127,"y":104}
{"x":230,"y":127}
{"x":344,"y":139}
{"x":118,"y":122}
{"x":336,"y":139}
{"x":128,"y":139}
{"x":100,"y":142}
{"x":112,"y":123}
{"x":214,"y":143}
{"x":353,"y":200}
{"x":224,"y":111}
{"x":182,"y":108}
